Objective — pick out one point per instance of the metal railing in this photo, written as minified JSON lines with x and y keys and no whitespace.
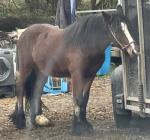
{"x":95,"y":11}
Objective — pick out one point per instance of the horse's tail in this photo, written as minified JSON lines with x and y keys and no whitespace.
{"x":29,"y":85}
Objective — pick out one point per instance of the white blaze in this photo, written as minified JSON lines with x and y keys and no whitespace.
{"x":128,"y":35}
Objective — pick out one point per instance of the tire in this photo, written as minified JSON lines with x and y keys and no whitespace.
{"x":113,"y":66}
{"x":122,"y":117}
{"x":122,"y":121}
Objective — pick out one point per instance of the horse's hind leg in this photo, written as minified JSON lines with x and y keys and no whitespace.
{"x":18,"y":117}
{"x":81,"y":88}
{"x":35,"y":102}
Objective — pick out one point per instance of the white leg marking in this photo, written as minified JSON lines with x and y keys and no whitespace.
{"x":42,"y":120}
{"x":77,"y":111}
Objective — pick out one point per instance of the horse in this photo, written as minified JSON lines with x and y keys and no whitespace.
{"x":76,"y":52}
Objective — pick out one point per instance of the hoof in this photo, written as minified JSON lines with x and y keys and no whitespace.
{"x":82,"y":128}
{"x":41,"y":120}
{"x":18,"y":120}
{"x":21,"y":121}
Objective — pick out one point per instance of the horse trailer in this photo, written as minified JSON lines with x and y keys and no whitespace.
{"x":131,"y":80}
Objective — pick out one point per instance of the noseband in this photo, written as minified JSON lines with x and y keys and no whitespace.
{"x":122,"y":46}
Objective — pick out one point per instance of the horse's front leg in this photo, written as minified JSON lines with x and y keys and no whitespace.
{"x":81,"y":88}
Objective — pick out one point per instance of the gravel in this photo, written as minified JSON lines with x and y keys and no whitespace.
{"x":60,"y":110}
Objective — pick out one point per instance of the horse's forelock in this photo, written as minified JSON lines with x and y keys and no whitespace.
{"x":117,"y":19}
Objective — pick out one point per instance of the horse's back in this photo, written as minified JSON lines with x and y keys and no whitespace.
{"x":35,"y":30}
{"x":42,"y":45}
{"x":34,"y":34}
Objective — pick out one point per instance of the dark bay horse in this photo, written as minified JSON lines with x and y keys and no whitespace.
{"x":76,"y":51}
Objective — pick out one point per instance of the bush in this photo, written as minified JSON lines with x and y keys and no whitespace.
{"x":27,"y":12}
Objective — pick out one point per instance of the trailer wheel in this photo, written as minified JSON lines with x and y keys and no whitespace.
{"x":122,"y":117}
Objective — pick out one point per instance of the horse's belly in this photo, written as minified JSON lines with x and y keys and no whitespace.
{"x":51,"y":62}
{"x":56,"y":71}
{"x":53,"y":68}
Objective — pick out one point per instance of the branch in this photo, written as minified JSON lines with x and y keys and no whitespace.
{"x":15,"y":4}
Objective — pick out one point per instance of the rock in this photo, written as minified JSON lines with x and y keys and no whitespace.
{"x":1,"y":128}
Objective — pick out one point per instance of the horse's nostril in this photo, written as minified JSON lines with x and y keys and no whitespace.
{"x":135,"y":52}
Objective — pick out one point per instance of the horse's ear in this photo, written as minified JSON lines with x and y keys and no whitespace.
{"x":107,"y":17}
{"x":120,"y":10}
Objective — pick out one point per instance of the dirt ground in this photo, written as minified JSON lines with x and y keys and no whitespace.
{"x":60,"y":110}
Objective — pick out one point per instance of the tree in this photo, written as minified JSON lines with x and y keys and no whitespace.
{"x":41,"y":4}
{"x":103,"y":4}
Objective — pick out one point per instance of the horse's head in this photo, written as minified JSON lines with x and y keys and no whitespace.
{"x":118,"y":26}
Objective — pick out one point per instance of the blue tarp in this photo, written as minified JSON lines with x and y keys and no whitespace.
{"x":105,"y":68}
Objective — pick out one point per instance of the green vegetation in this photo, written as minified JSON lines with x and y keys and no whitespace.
{"x":27,"y":9}
{"x":44,"y":10}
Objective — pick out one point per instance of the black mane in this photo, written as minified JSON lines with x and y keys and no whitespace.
{"x":85,"y":31}
{"x":88,"y":31}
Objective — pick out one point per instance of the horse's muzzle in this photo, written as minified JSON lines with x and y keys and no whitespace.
{"x":131,"y":49}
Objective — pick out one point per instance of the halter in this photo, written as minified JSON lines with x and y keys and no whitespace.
{"x":122,"y":46}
